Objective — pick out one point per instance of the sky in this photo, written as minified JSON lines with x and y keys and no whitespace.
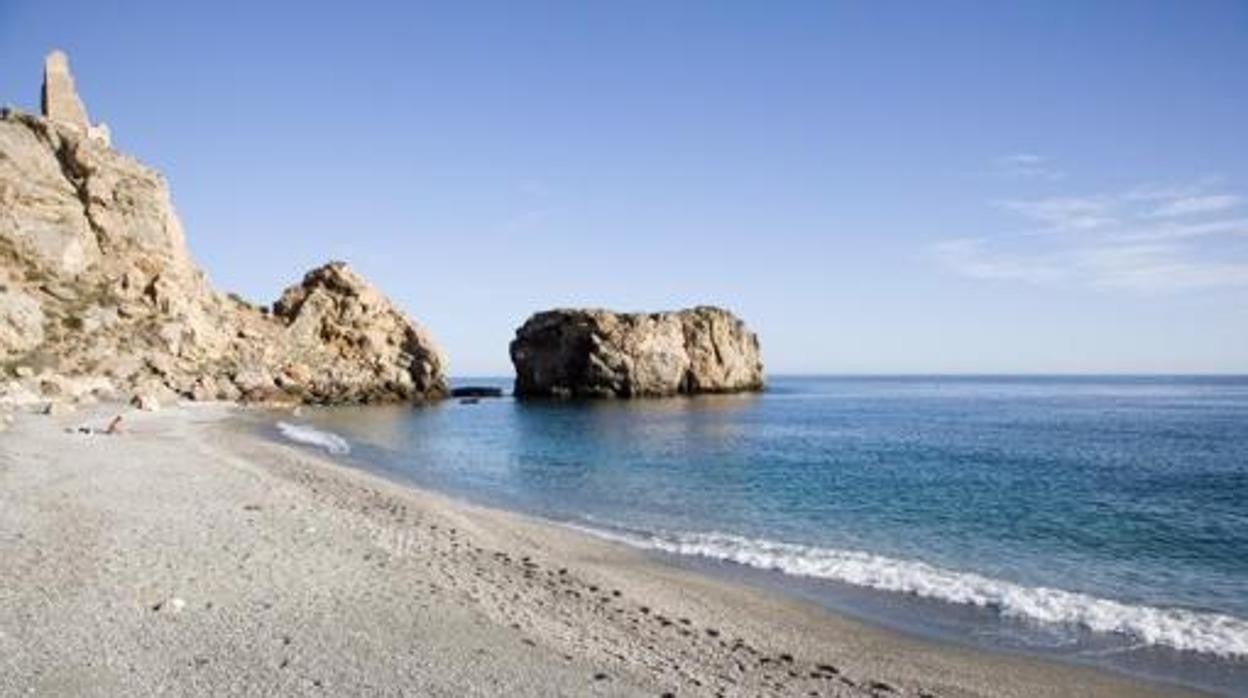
{"x":875,"y":187}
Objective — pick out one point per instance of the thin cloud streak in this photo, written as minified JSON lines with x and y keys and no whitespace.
{"x":1189,"y":205}
{"x":1157,"y":268}
{"x":1026,"y":166}
{"x":970,"y":257}
{"x":1232,"y":226}
{"x":1146,"y":239}
{"x":1062,"y":213}
{"x":1145,"y":268}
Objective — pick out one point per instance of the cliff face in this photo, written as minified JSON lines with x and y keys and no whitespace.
{"x":598,"y":353}
{"x":99,"y":296}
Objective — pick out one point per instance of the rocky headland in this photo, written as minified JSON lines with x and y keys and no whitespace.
{"x":598,"y":353}
{"x":100,"y":299}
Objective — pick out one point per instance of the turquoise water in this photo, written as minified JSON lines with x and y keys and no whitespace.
{"x":1104,"y":519}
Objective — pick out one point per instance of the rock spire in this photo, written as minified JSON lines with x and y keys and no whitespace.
{"x":60,"y":100}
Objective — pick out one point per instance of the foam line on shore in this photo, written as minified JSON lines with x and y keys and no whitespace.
{"x":1211,"y":633}
{"x":311,"y":436}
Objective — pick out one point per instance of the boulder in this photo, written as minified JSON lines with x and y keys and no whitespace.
{"x":599,"y":353}
{"x":148,"y":402}
{"x":151,"y":394}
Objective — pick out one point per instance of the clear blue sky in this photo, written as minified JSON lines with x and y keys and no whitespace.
{"x":874,"y":186}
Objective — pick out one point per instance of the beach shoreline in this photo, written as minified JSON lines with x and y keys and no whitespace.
{"x":189,"y":555}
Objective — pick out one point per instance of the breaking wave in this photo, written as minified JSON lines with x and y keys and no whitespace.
{"x":312,"y":436}
{"x":1181,"y":629}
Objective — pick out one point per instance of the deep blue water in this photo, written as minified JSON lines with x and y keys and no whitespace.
{"x":1091,"y":516}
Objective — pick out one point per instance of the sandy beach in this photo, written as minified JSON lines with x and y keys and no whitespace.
{"x":186,"y":556}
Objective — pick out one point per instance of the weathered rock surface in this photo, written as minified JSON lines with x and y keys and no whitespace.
{"x":21,"y":322}
{"x":100,"y":297}
{"x":346,"y":342}
{"x":598,"y":353}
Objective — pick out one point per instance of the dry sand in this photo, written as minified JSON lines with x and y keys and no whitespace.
{"x":187,"y":557}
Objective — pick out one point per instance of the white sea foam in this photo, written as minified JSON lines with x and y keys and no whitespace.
{"x":1212,"y":633}
{"x":312,"y":436}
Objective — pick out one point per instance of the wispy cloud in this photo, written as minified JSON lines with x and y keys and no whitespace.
{"x":1156,"y":267}
{"x":1146,"y":238}
{"x":1175,"y":231}
{"x":975,"y":257}
{"x":1026,"y":165}
{"x":1188,"y":205}
{"x":1061,"y":213}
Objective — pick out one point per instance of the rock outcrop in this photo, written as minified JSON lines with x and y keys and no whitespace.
{"x":99,"y":296}
{"x":598,"y":353}
{"x":346,"y":342}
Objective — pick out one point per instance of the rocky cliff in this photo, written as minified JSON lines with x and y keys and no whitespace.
{"x":99,"y":297}
{"x":598,"y":353}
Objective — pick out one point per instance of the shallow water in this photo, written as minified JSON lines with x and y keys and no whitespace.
{"x":1101,"y":519}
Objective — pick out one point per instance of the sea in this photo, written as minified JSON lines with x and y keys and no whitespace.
{"x":1098,"y":520}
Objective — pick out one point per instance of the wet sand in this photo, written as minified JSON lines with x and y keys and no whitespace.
{"x":186,"y":556}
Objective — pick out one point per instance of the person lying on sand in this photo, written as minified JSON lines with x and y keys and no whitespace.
{"x":113,"y":428}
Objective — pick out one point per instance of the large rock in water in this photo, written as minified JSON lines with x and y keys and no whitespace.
{"x":598,"y":353}
{"x":98,"y":293}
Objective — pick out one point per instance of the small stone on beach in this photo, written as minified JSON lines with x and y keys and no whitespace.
{"x":56,"y":409}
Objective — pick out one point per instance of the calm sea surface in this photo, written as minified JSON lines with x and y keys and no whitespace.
{"x":1100,"y":519}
